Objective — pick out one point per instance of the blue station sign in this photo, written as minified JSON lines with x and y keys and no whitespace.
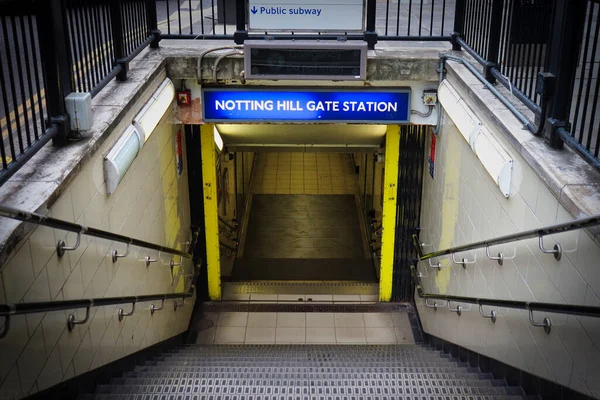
{"x":298,"y":105}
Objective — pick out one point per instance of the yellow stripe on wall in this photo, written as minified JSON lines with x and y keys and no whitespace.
{"x":211,"y":217}
{"x":392,"y":152}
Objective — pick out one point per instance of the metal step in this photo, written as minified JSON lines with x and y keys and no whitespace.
{"x":291,"y":287}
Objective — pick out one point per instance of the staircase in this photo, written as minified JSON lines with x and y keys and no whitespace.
{"x":327,"y":372}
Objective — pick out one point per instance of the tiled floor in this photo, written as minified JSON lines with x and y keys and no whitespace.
{"x":307,"y":328}
{"x":229,"y":295}
{"x":304,"y":173}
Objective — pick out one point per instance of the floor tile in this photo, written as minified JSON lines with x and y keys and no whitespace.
{"x":350,"y":336}
{"x":404,"y":335}
{"x":319,"y":298}
{"x":381,"y":336}
{"x":290,"y":335}
{"x":262,"y":319}
{"x":378,"y":320}
{"x":320,"y":320}
{"x":400,"y":319}
{"x":346,"y":298}
{"x":230,"y":335}
{"x":236,"y":297}
{"x":290,"y":298}
{"x":233,"y":319}
{"x":349,"y":320}
{"x":263,"y":297}
{"x":260,"y":335}
{"x":320,"y":336}
{"x":206,"y":336}
{"x":369,"y":298}
{"x":291,"y":320}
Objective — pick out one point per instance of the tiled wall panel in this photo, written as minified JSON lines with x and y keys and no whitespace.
{"x":151,"y":203}
{"x":462,"y":204}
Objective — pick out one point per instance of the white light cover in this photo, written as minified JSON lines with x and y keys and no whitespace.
{"x":120,"y":157}
{"x":218,"y":138}
{"x":154,"y":109}
{"x":494,"y":158}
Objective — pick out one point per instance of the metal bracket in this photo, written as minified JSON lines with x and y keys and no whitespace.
{"x":176,"y":305}
{"x":557,"y":250}
{"x":151,"y":260}
{"x":71,"y":322}
{"x":122,"y":314}
{"x":61,"y":246}
{"x":437,"y":266}
{"x":546,"y":324}
{"x":464,"y":262}
{"x":492,"y":315}
{"x":116,"y":255}
{"x":6,"y":327}
{"x":457,"y":310}
{"x":154,"y":308}
{"x":434,"y":306}
{"x":500,"y":257}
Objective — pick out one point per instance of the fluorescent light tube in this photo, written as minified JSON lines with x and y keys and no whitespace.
{"x":152,"y":112}
{"x":120,"y":157}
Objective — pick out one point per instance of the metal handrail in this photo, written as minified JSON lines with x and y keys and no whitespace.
{"x":9,"y":310}
{"x":571,"y":309}
{"x":548,"y":230}
{"x":55,"y":223}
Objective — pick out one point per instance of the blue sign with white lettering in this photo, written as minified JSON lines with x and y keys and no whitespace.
{"x":293,"y":105}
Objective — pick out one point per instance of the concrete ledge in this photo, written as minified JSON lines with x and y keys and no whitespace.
{"x":571,"y":179}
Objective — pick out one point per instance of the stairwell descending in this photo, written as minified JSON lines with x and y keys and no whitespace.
{"x":324,"y":372}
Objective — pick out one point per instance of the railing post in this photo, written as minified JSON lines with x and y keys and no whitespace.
{"x":370,"y":33}
{"x":241,"y":34}
{"x":152,"y":22}
{"x":562,"y":61}
{"x":494,"y":40}
{"x":459,"y":24}
{"x":54,"y":55}
{"x":116,"y":26}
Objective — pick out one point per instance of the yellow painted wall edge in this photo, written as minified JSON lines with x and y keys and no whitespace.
{"x":392,"y":152}
{"x":211,"y":216}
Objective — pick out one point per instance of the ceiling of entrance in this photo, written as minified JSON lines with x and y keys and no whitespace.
{"x":302,"y":136}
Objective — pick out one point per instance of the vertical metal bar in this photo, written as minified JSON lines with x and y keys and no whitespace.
{"x":398,"y":18}
{"x":535,"y":47}
{"x":179,"y":15}
{"x":79,"y":60}
{"x":95,"y":8}
{"x":37,"y":71}
{"x":5,"y":96}
{"x":371,"y":34}
{"x":420,"y":17}
{"x":569,"y":18}
{"x":213,"y":17}
{"x":27,"y":47}
{"x":593,"y":110}
{"x":93,"y":56}
{"x":141,"y":26}
{"x":504,"y":40}
{"x":190,"y":8}
{"x":431,"y":20}
{"x":582,"y":76}
{"x":442,"y":33}
{"x":459,"y":23}
{"x":387,"y":15}
{"x":410,"y":17}
{"x":18,"y":51}
{"x":152,"y":20}
{"x":116,"y":27}
{"x":12,"y":73}
{"x":89,"y":60}
{"x":494,"y":35}
{"x":110,"y":40}
{"x":54,"y":54}
{"x":240,"y":33}
{"x":202,"y":16}
{"x":129,"y":28}
{"x":169,"y":16}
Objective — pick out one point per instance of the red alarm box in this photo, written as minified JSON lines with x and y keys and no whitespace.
{"x":184,"y":97}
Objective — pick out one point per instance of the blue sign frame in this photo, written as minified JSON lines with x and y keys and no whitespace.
{"x":298,"y":105}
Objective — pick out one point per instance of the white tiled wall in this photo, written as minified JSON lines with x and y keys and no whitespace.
{"x":152,"y":204}
{"x":462,"y":204}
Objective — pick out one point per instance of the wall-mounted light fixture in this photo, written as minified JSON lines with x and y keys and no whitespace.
{"x":154,"y":109}
{"x":120,"y":157}
{"x":494,"y":158}
{"x":218,"y":138}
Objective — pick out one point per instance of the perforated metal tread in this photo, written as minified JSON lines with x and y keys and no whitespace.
{"x":320,"y":372}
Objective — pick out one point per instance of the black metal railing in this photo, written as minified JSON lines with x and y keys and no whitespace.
{"x":39,"y":219}
{"x":547,"y":53}
{"x":56,"y":47}
{"x":570,"y":309}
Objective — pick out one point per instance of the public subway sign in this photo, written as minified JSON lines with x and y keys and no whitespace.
{"x":310,"y":15}
{"x":296,"y":105}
